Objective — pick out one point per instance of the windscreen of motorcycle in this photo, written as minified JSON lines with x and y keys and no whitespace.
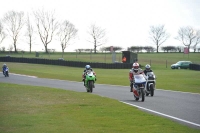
{"x":90,"y":73}
{"x":139,"y":78}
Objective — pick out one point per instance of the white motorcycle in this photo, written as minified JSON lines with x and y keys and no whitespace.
{"x":150,"y":83}
{"x":140,"y":87}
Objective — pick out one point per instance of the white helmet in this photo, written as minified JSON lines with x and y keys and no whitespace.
{"x":148,"y":67}
{"x":135,"y":66}
{"x":87,"y":67}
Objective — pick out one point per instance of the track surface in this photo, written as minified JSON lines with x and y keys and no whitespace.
{"x":178,"y":106}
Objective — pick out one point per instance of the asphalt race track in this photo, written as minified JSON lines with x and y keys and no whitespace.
{"x":178,"y":106}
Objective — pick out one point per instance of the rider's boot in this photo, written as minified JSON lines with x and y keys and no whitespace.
{"x":131,"y":87}
{"x":135,"y":92}
{"x":83,"y":82}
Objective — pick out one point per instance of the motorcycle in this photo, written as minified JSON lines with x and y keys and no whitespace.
{"x":139,"y":92}
{"x":6,"y":72}
{"x":89,"y":81}
{"x":150,"y":83}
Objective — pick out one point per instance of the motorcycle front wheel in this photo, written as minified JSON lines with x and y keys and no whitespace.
{"x":152,"y":89}
{"x":90,"y":85}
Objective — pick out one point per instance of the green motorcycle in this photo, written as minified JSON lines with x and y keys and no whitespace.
{"x":89,"y":81}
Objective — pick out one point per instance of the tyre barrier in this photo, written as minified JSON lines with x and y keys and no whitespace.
{"x":67,"y":63}
{"x":194,"y":67}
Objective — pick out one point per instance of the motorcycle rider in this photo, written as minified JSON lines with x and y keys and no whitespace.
{"x":4,"y":67}
{"x":87,"y":67}
{"x":135,"y":70}
{"x":147,"y":69}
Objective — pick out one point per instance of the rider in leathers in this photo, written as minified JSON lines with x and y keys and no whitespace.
{"x":87,"y":67}
{"x":147,"y":69}
{"x":136,"y":70}
{"x":4,"y":67}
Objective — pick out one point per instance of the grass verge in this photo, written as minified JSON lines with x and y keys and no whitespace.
{"x":40,"y":109}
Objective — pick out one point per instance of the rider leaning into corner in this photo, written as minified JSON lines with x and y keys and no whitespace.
{"x":87,"y":68}
{"x":135,"y":70}
{"x":4,"y":67}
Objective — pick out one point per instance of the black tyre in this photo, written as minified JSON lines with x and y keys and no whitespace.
{"x":152,"y":89}
{"x":7,"y":74}
{"x":91,"y":84}
{"x":143,"y":95}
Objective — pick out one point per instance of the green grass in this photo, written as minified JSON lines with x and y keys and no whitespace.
{"x":29,"y":109}
{"x":41,"y":109}
{"x":178,"y":80}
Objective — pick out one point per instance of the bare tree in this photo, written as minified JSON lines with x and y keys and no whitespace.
{"x":2,"y":33}
{"x":66,"y":32}
{"x":197,"y":40}
{"x":29,"y":32}
{"x":187,"y":36}
{"x":10,"y":48}
{"x":14,"y":21}
{"x":46,"y":26}
{"x":158,"y":35}
{"x":102,"y":49}
{"x":98,"y":36}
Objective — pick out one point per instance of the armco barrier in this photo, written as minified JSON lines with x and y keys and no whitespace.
{"x":67,"y":63}
{"x":194,"y":67}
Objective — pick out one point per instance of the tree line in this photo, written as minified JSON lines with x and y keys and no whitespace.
{"x":48,"y":27}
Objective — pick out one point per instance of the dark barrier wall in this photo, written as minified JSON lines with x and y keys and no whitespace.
{"x":67,"y":63}
{"x":78,"y":64}
{"x":194,"y":67}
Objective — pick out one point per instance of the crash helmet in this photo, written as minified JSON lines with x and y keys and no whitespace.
{"x":147,"y":67}
{"x":4,"y":65}
{"x":87,"y":67}
{"x":135,"y":66}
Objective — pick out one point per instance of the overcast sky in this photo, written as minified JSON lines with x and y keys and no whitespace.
{"x":126,"y":22}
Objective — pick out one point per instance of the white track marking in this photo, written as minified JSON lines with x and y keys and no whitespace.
{"x":192,"y":123}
